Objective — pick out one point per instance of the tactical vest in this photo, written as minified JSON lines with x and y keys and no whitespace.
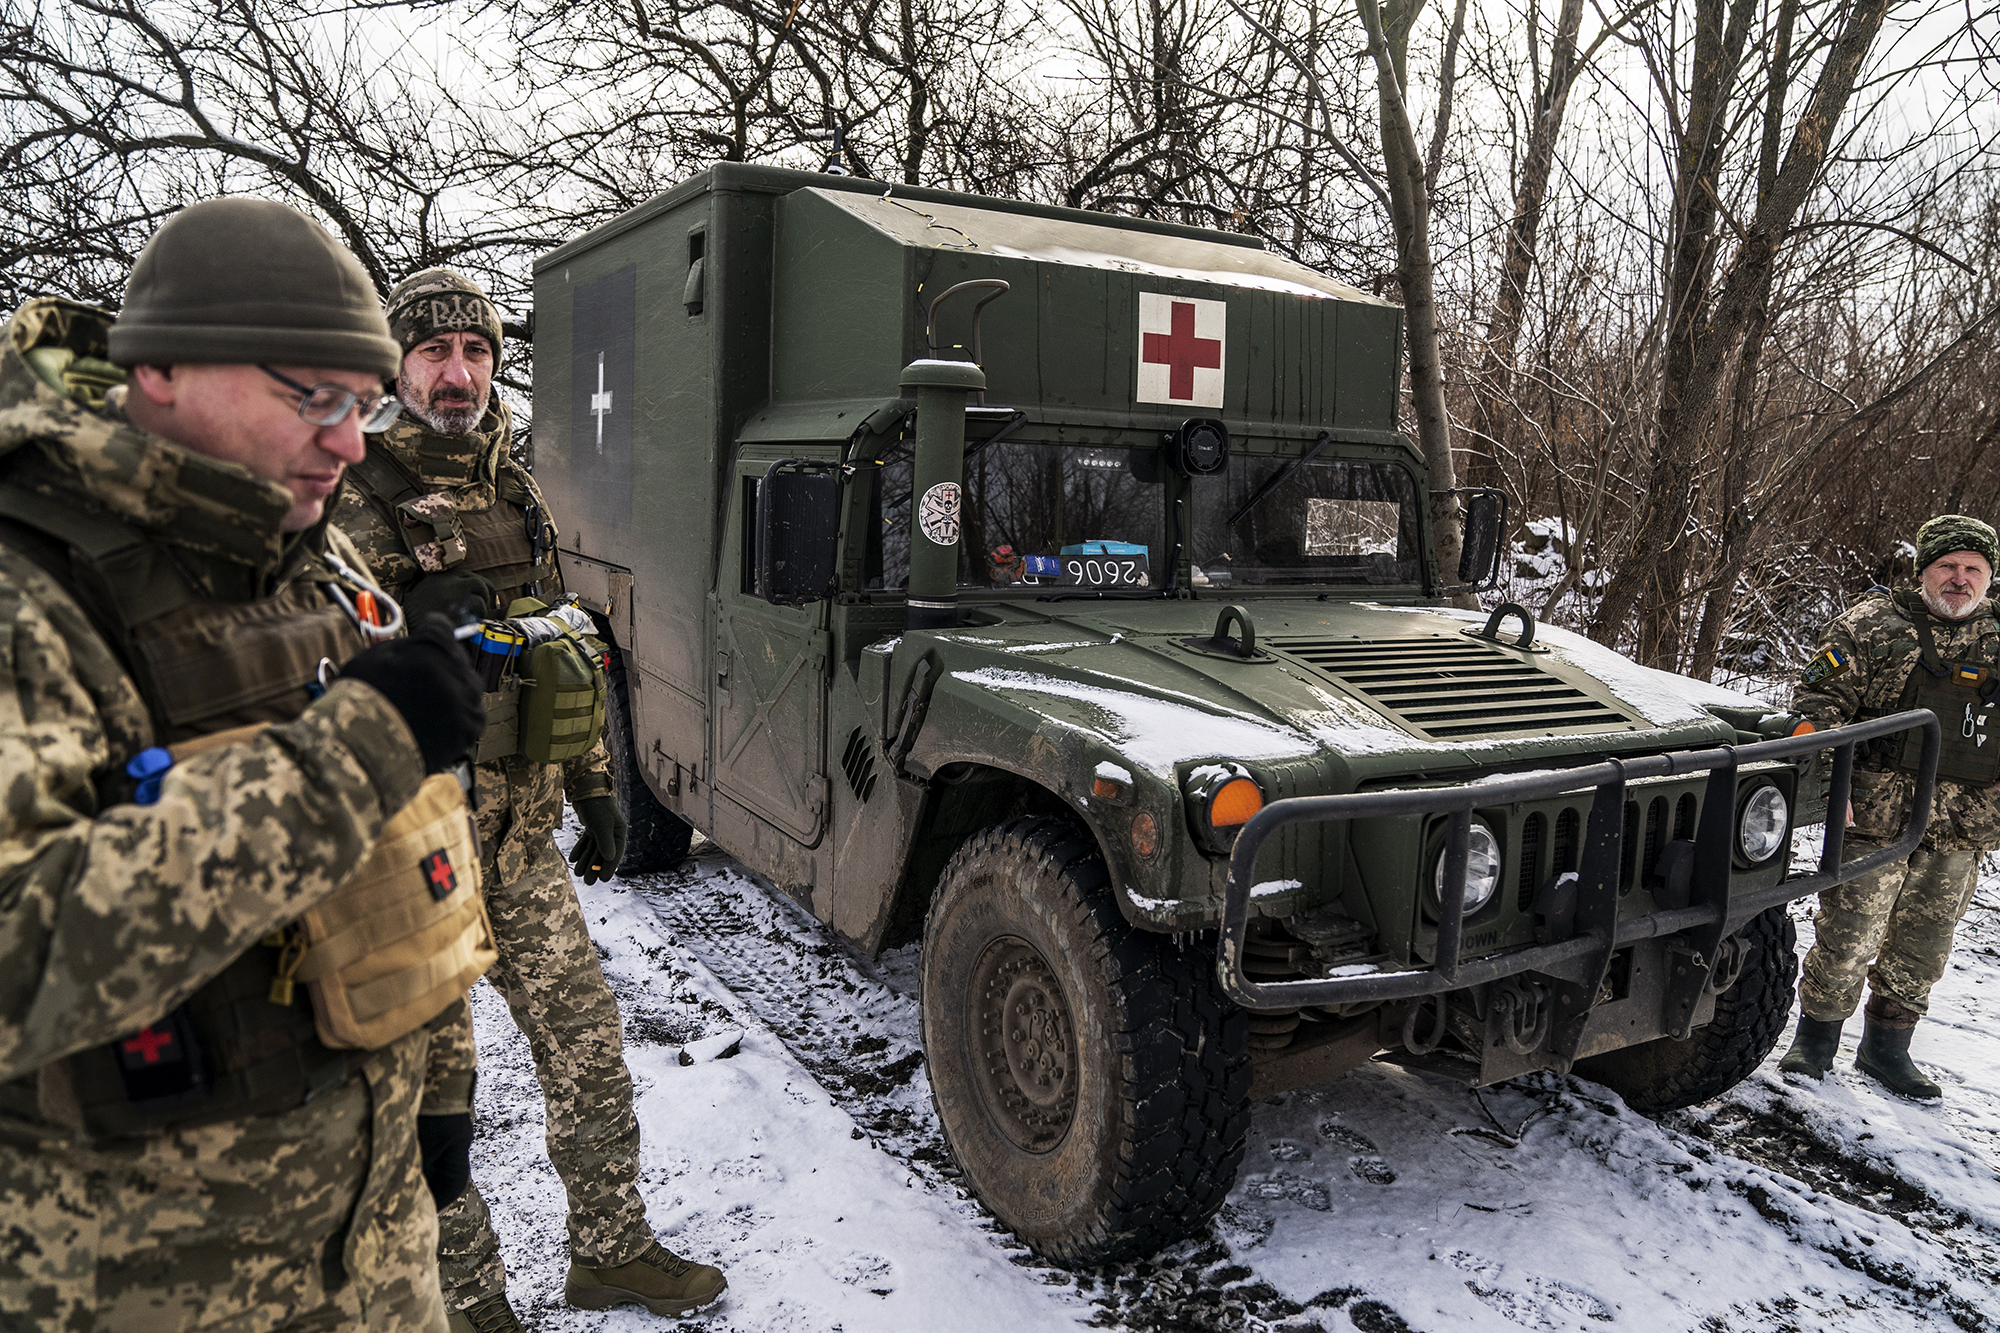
{"x":548,"y":706}
{"x":511,"y":542}
{"x":1962,"y":695}
{"x":201,"y":666}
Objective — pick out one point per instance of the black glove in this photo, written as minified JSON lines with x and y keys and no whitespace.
{"x":457,"y":594}
{"x":428,"y":680}
{"x":601,"y":845}
{"x":445,"y":1144}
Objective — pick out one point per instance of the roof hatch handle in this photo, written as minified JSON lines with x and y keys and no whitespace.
{"x":1525,"y":640}
{"x":999,"y":288}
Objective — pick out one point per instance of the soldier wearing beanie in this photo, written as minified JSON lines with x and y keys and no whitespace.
{"x":1935,"y":645}
{"x":180,"y":1145}
{"x":447,"y":518}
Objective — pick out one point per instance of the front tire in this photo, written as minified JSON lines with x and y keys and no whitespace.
{"x":1091,"y":1079}
{"x":656,"y":838}
{"x":1666,"y":1075}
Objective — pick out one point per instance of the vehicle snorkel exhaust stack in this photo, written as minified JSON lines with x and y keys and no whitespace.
{"x":941,"y":389}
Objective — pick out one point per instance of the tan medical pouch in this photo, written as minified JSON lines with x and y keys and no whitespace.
{"x":407,"y":934}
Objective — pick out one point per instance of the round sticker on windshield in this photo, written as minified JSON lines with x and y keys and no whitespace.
{"x":937,"y":513}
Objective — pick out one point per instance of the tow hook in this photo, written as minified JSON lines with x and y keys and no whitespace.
{"x":1730,"y":956}
{"x":1416,"y":1045}
{"x":1520,"y":1015}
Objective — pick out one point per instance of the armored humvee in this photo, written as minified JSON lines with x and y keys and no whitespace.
{"x":1056,"y":589}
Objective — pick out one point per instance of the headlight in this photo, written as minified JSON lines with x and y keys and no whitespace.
{"x":1482,"y":868}
{"x":1221,"y":798}
{"x":1760,"y":829}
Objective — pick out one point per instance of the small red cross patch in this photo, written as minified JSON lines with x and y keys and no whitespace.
{"x":147,"y":1043}
{"x":438,"y":872}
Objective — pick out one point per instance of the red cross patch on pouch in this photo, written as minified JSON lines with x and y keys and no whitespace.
{"x":1181,"y":341}
{"x":439,"y":874}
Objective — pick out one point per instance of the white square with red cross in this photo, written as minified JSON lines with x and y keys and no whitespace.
{"x":1180,"y":349}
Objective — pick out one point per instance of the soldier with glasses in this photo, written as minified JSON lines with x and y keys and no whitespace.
{"x":201,"y":749}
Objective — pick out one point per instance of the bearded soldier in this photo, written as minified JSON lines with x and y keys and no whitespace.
{"x":184,"y":778}
{"x":448,"y":519}
{"x":1935,"y":646}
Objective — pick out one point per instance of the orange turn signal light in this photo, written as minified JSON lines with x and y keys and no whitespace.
{"x":1804,"y":729}
{"x":1234,"y":803}
{"x":1104,"y":789}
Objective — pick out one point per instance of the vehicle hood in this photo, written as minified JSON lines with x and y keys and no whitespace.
{"x":1331,"y":684}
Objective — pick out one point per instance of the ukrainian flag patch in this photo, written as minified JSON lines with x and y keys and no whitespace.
{"x":1831,"y":662}
{"x":1969,"y":675}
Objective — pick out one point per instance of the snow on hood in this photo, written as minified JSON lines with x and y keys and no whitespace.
{"x":1159,"y":733}
{"x":1152,"y":732}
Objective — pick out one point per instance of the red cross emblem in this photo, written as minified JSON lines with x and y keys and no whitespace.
{"x":1180,"y":349}
{"x":437,"y":869}
{"x":147,"y":1043}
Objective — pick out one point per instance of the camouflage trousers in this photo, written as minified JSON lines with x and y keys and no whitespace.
{"x":309,"y":1221}
{"x":549,"y":975}
{"x":1893,"y":928}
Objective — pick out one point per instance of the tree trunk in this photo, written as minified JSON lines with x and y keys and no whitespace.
{"x":1517,"y":261}
{"x":1410,"y":215}
{"x":1704,"y":333}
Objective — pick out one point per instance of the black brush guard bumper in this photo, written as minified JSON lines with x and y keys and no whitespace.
{"x":1578,"y":959}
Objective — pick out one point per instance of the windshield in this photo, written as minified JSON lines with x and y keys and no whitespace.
{"x":1035,"y":515}
{"x":1337,"y":521}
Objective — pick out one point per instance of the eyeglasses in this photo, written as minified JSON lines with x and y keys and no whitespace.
{"x":329,"y":404}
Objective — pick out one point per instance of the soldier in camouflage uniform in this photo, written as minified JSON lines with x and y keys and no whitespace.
{"x":1936,"y":645}
{"x":447,"y":518}
{"x":177,"y":1150}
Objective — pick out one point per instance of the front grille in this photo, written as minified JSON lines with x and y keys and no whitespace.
{"x":1531,"y":860}
{"x":1457,"y":688}
{"x":1656,"y":838}
{"x":1566,"y":840}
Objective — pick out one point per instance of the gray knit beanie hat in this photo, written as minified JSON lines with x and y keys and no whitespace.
{"x":240,"y":280}
{"x":1955,"y":532}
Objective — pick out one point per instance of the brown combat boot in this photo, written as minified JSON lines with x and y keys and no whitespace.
{"x":492,"y":1315}
{"x":659,"y":1279}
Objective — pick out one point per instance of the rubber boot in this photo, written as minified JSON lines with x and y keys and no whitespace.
{"x":492,"y":1315}
{"x":659,"y":1279}
{"x":1813,"y":1048}
{"x":1885,"y":1057}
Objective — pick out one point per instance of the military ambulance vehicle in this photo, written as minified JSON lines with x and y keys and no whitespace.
{"x":1056,"y":590}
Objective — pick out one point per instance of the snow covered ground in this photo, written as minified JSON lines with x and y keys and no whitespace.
{"x":809,"y":1166}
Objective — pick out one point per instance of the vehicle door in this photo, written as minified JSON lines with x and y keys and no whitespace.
{"x":769,"y":681}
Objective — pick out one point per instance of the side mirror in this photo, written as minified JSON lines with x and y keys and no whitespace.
{"x":1485,"y":527}
{"x":798,"y":532}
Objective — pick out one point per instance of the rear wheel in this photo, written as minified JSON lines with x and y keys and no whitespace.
{"x":656,"y":838}
{"x":1091,"y":1079}
{"x":1666,"y":1075}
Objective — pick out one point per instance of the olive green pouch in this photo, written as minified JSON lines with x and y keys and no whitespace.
{"x":562,"y":701}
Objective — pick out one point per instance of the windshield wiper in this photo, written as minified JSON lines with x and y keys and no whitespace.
{"x":1280,"y":477}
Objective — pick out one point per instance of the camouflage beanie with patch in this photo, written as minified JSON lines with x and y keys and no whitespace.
{"x":438,"y":300}
{"x":1955,"y":532}
{"x":241,"y":280}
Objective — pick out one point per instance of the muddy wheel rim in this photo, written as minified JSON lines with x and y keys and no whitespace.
{"x":1027,"y":1064}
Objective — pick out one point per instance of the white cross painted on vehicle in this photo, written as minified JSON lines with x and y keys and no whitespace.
{"x":600,"y":403}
